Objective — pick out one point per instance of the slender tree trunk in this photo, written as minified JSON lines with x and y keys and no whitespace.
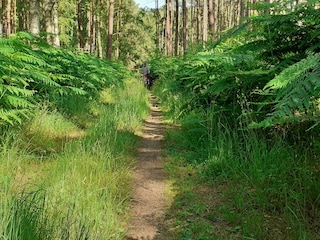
{"x":163,"y":37}
{"x":198,"y":21}
{"x":211,"y":18}
{"x":99,"y":38}
{"x":176,"y":40}
{"x":14,"y":16}
{"x":184,"y":25}
{"x":81,"y":38}
{"x":205,"y":22}
{"x":34,"y":17}
{"x":169,"y":28}
{"x":1,"y":18}
{"x":90,"y":28}
{"x":192,"y":14}
{"x":157,"y":15}
{"x":117,"y":52}
{"x":6,"y":17}
{"x":51,"y":21}
{"x":110,"y":30}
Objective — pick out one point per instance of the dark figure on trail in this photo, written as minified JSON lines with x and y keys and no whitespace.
{"x":146,"y":75}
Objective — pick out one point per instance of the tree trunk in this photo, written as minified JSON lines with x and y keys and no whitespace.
{"x":192,"y":14}
{"x":51,"y":21}
{"x":34,"y":17}
{"x":6,"y":20}
{"x":205,"y":22}
{"x":169,"y":28}
{"x":89,"y":46}
{"x":1,"y":19}
{"x":158,"y":36}
{"x":176,"y":40}
{"x":99,"y":38}
{"x":211,"y":18}
{"x":184,"y":25}
{"x":198,"y":21}
{"x":110,"y":30}
{"x":117,"y":52}
{"x":14,"y":16}
{"x":81,"y":37}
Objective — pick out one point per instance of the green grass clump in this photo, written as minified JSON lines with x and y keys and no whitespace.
{"x":82,"y":188}
{"x":48,"y":131}
{"x":269,"y":188}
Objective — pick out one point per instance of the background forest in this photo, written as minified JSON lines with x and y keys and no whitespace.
{"x":240,"y":78}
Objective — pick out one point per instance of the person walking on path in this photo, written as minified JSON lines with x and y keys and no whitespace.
{"x":146,"y":75}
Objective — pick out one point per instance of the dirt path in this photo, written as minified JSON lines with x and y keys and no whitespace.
{"x":149,"y":199}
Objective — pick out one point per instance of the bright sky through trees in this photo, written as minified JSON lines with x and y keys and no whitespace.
{"x":149,"y":3}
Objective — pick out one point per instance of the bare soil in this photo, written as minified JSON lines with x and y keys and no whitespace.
{"x":149,"y":200}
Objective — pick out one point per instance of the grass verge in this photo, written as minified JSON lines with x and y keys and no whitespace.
{"x":69,"y":182}
{"x":238,"y":184}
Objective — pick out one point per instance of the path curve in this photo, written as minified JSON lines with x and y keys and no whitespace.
{"x":148,"y":202}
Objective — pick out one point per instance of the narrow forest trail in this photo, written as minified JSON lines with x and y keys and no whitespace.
{"x":149,"y":200}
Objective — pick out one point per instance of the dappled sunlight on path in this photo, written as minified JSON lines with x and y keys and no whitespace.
{"x":149,"y":199}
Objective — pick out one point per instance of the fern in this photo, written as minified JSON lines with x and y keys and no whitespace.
{"x":293,"y":72}
{"x":31,"y":71}
{"x":12,"y":116}
{"x":295,"y":92}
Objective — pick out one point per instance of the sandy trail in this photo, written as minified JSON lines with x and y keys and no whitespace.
{"x":149,"y":199}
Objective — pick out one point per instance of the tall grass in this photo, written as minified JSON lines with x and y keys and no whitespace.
{"x":85,"y":182}
{"x":272,"y":188}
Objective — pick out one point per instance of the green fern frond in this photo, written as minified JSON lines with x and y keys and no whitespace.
{"x":17,"y":102}
{"x":77,"y":91}
{"x":27,"y":58}
{"x":41,"y":77}
{"x":5,"y":49}
{"x":18,"y":91}
{"x":12,"y":116}
{"x":295,"y":91}
{"x":293,"y":72}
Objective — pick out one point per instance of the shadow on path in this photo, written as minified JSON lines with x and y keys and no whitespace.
{"x":148,"y":201}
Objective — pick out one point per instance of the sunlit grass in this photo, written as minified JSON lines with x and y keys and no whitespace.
{"x":81,"y":189}
{"x":48,"y":131}
{"x":268,"y":186}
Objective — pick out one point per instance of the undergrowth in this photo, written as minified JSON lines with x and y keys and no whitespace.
{"x":267,"y":189}
{"x":247,"y":108}
{"x":69,"y":178}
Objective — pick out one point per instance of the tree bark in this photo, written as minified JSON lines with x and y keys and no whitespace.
{"x":81,"y":37}
{"x":211,"y":18}
{"x":169,"y":28}
{"x":34,"y":17}
{"x":51,"y":21}
{"x":198,"y":21}
{"x":99,"y":38}
{"x":184,"y":25}
{"x":176,"y":40}
{"x":110,"y":30}
{"x":6,"y":19}
{"x":205,"y":22}
{"x":1,"y":19}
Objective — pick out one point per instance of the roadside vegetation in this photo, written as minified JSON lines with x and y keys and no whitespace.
{"x":69,"y":126}
{"x":245,"y":157}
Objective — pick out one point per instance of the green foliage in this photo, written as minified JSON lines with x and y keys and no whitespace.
{"x":284,"y":37}
{"x":85,"y":178}
{"x":295,"y":92}
{"x":247,"y":107}
{"x":136,"y":41}
{"x":32,"y":72}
